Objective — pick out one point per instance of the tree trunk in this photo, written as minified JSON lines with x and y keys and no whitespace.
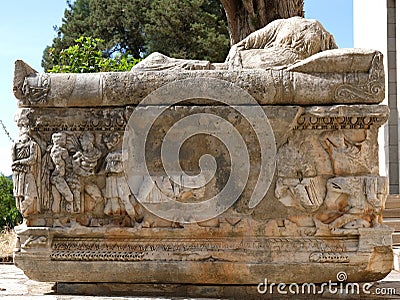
{"x":246,"y":16}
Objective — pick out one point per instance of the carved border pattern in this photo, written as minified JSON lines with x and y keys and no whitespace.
{"x":92,"y":249}
{"x":309,"y":121}
{"x":368,"y":91}
{"x":329,"y":257}
{"x":88,"y":255}
{"x":90,"y":120}
{"x":75,"y":244}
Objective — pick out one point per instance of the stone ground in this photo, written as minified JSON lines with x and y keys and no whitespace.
{"x":15,"y":285}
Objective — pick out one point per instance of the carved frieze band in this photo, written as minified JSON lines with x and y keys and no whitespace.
{"x":115,"y":119}
{"x":342,"y":117}
{"x":80,"y":120}
{"x":329,"y":257}
{"x":91,"y":249}
{"x":89,"y":255}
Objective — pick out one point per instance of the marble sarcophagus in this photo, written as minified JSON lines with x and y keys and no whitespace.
{"x":191,"y":172}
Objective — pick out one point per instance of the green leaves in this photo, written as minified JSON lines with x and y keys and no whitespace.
{"x":132,"y":29}
{"x":9,"y":215}
{"x":119,"y":23}
{"x":191,"y":29}
{"x":86,"y":56}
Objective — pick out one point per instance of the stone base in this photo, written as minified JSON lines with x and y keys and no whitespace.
{"x":197,"y":255}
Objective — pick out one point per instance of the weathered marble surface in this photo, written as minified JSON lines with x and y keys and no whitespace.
{"x":325,"y":190}
{"x":322,"y":202}
{"x":281,"y":43}
{"x":341,"y":76}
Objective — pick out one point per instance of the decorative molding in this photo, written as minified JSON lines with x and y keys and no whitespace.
{"x":94,"y":119}
{"x":84,"y":249}
{"x":313,"y":122}
{"x":90,"y":255}
{"x":329,"y":257}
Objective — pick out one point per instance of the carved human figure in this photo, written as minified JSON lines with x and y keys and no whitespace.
{"x":84,"y":164}
{"x":26,"y":156}
{"x":117,"y":192}
{"x":60,"y":157}
{"x":36,"y":87}
{"x":85,"y":161}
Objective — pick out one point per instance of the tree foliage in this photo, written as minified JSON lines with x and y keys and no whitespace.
{"x":183,"y":29}
{"x":86,"y":56}
{"x":74,"y":25}
{"x":187,"y":29}
{"x":9,"y":215}
{"x":120,"y":24}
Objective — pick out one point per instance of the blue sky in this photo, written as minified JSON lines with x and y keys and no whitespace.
{"x":26,"y":28}
{"x":336,"y":16}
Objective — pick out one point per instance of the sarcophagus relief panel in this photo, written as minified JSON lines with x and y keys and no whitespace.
{"x":221,"y":174}
{"x":324,"y":186}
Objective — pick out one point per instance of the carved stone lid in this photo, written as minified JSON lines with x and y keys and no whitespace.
{"x":340,"y":76}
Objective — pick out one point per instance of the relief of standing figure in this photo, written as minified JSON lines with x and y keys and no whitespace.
{"x":84,"y":166}
{"x":26,"y":156}
{"x":26,"y":171}
{"x":117,"y":190}
{"x":60,"y":157}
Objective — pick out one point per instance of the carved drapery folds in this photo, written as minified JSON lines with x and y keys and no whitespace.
{"x":26,"y":174}
{"x":64,"y":169}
